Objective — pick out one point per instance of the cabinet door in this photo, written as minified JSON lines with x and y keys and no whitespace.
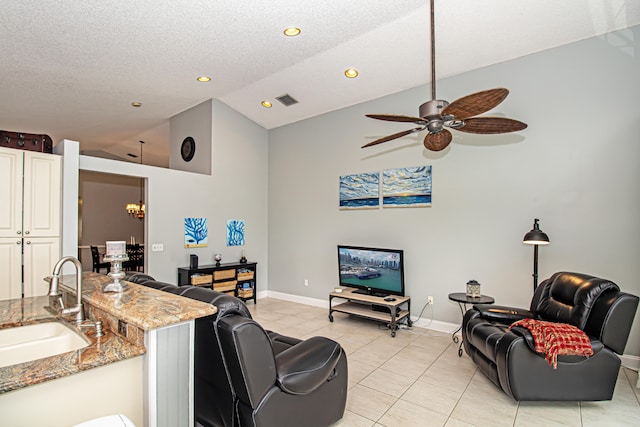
{"x":41,"y":200}
{"x":40,"y":256}
{"x":10,"y":268}
{"x":10,"y":193}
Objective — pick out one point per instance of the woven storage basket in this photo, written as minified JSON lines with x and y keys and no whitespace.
{"x":224,"y":274}
{"x":245,"y":293}
{"x":225,"y":286}
{"x":248,"y":275}
{"x":200,"y":280}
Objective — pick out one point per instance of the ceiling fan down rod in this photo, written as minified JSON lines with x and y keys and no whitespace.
{"x":433,"y":54}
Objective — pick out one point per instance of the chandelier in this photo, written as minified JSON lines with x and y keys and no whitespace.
{"x":138,"y":209}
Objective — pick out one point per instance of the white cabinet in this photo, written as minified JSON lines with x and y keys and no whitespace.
{"x":30,"y":187}
{"x":31,"y":183}
{"x":10,"y":267}
{"x":41,"y":195}
{"x":40,"y":255}
{"x":11,"y":165}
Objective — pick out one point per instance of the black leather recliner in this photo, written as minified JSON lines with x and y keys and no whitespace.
{"x":594,"y":305}
{"x":246,"y":376}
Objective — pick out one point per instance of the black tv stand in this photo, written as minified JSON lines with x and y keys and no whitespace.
{"x":370,"y":292}
{"x":379,"y":294}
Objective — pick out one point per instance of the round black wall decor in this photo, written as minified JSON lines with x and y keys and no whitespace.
{"x":188,"y":149}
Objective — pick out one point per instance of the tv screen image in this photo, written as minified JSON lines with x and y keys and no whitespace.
{"x":373,"y":271}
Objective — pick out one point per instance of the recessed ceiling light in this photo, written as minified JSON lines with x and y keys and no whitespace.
{"x":292,"y":31}
{"x":204,"y":79}
{"x":352,"y":73}
{"x":136,"y":104}
{"x":266,"y":104}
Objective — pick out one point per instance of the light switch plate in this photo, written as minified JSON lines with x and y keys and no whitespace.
{"x":157,"y":247}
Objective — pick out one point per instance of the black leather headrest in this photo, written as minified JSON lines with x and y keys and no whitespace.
{"x":138,"y":278}
{"x":226,"y":304}
{"x":167,"y":287}
{"x":569,"y":297}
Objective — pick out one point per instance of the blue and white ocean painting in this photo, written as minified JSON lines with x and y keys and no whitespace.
{"x":360,"y":191}
{"x":406,"y":187}
{"x":235,"y":232}
{"x":195,"y":232}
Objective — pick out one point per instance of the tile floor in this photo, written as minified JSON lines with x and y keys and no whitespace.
{"x":417,"y":378}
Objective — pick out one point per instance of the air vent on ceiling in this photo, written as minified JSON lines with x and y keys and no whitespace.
{"x":287,"y":100}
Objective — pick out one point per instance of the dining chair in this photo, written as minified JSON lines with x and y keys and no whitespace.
{"x":95,"y":258}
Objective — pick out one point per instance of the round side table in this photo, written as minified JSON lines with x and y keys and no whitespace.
{"x":463,"y":300}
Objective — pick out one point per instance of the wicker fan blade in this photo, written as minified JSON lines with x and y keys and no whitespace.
{"x":437,"y":141}
{"x":476,"y":103}
{"x":390,"y":137}
{"x":487,"y":125}
{"x":396,"y":118}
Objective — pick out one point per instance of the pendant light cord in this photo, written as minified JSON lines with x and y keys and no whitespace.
{"x":141,"y":179}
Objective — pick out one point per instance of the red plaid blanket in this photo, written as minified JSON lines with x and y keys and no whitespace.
{"x":555,"y":339}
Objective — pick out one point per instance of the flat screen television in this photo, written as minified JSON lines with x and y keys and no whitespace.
{"x":372,"y":271}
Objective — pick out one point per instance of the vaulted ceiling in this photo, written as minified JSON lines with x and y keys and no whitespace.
{"x":72,"y":69}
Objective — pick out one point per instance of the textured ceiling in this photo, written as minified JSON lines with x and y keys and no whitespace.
{"x":71,"y":69}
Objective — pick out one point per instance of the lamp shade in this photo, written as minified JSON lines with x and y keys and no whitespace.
{"x":536,"y":236}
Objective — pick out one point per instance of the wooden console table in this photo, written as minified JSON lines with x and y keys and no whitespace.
{"x":365,"y":306}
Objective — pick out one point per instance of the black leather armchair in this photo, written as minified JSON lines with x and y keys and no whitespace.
{"x":246,"y":376}
{"x":508,"y":359}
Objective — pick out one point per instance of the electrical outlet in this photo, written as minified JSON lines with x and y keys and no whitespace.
{"x":122,"y":328}
{"x":306,"y":282}
{"x":157,"y":247}
{"x":430,"y":300}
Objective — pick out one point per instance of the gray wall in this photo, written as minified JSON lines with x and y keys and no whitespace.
{"x":196,"y":123}
{"x":235,"y":189}
{"x":575,"y":168}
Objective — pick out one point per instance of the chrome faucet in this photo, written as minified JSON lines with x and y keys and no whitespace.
{"x":54,"y":290}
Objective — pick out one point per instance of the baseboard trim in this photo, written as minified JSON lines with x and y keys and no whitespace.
{"x":435,"y":325}
{"x":296,"y":298}
{"x":628,"y":360}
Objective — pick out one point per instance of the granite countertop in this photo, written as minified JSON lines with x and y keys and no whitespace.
{"x":144,"y":307}
{"x":141,"y":307}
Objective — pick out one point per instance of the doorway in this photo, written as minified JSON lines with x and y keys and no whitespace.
{"x":102,"y":214}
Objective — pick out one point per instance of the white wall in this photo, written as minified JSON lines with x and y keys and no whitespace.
{"x":575,"y":168}
{"x":236,"y":189}
{"x":70,"y":151}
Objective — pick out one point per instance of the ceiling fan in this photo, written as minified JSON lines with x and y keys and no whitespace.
{"x":437,"y":114}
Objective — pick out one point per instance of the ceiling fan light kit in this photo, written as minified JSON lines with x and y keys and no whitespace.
{"x":438,"y":114}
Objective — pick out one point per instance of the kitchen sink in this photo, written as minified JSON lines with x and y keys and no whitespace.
{"x":32,"y":342}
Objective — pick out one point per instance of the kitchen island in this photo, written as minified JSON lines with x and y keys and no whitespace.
{"x":148,"y":340}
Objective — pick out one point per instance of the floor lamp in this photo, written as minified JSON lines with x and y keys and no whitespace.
{"x":535,"y":237}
